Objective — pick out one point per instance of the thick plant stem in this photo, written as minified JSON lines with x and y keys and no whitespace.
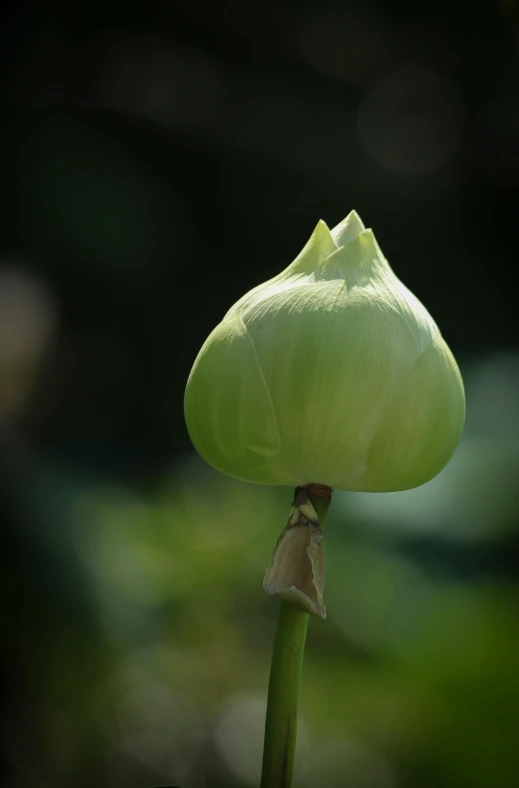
{"x":285,"y":674}
{"x":283,"y":692}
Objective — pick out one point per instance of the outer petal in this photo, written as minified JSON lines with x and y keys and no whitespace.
{"x":228,"y":408}
{"x":421,"y":426}
{"x":334,"y":358}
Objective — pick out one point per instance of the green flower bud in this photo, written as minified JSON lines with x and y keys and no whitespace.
{"x":332,"y":373}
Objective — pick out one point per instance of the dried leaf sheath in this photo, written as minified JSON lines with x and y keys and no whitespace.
{"x":296,"y":570}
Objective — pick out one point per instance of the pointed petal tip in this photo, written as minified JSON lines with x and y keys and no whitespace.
{"x":318,"y":247}
{"x":349,"y":229}
{"x":322,"y":231}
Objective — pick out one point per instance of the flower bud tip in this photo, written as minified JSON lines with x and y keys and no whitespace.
{"x":347,"y":230}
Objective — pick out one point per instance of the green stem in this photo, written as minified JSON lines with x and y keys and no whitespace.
{"x":285,"y":674}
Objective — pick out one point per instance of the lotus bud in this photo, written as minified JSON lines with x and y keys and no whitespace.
{"x":330,"y":373}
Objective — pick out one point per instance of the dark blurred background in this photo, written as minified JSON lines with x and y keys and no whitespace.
{"x":157,"y":161}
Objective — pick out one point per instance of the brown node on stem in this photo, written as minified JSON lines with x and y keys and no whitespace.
{"x":318,"y":490}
